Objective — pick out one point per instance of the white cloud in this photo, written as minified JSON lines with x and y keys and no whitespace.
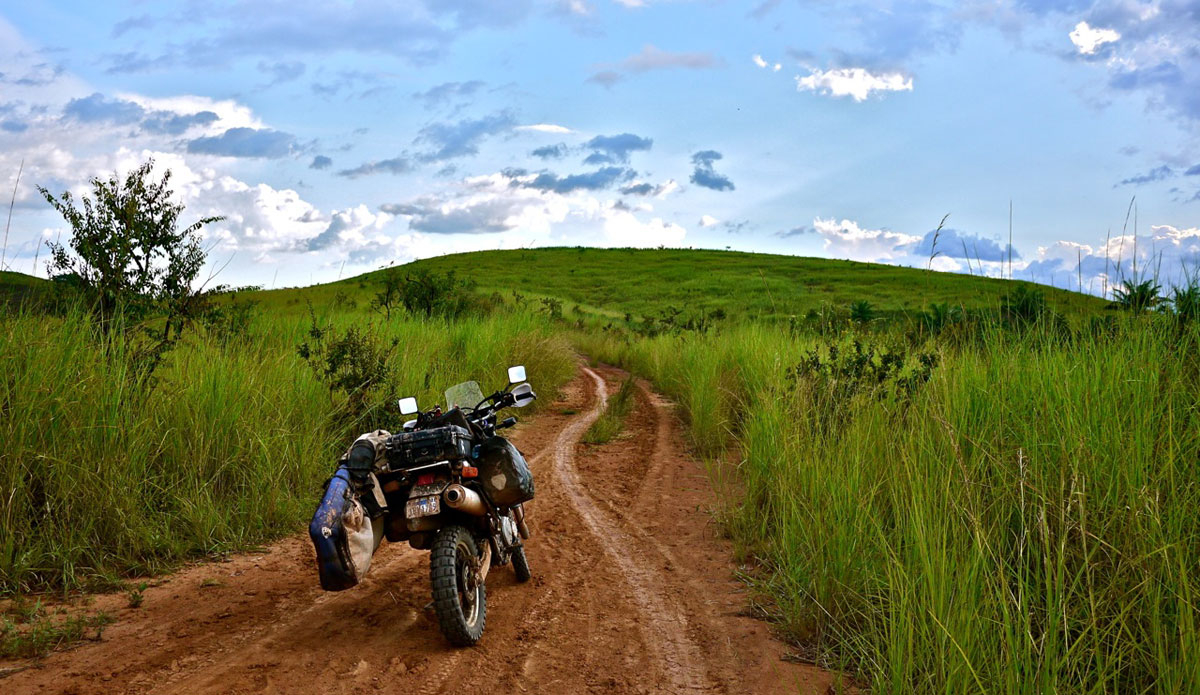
{"x":857,"y":83}
{"x":545,"y":128}
{"x":622,"y":228}
{"x":1087,"y":39}
{"x":708,"y":221}
{"x":846,"y":239}
{"x":762,"y":63}
{"x":631,"y":3}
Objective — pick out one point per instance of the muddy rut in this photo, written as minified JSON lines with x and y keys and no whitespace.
{"x":633,"y":592}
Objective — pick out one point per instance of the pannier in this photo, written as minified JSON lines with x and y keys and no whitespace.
{"x":348,"y":524}
{"x":343,"y":534}
{"x":504,"y":474}
{"x":411,"y":449}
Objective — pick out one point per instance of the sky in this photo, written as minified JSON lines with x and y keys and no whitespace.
{"x":337,"y":137}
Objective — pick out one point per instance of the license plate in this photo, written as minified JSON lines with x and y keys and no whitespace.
{"x":422,"y":506}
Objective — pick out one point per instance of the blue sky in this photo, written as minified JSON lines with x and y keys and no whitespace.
{"x":338,"y":137}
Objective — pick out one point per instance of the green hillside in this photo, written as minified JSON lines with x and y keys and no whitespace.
{"x":746,"y":285}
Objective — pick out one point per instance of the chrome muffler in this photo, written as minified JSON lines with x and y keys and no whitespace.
{"x":464,"y":499}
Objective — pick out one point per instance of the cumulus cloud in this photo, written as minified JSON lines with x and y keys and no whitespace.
{"x":708,"y":221}
{"x":245,"y":142}
{"x":348,"y":227}
{"x":321,"y":162}
{"x":622,"y":228}
{"x":507,"y":202}
{"x":615,"y":149}
{"x":846,"y":239}
{"x":956,"y":244}
{"x":166,"y":123}
{"x":98,"y":108}
{"x":857,"y":83}
{"x":1168,"y":252}
{"x":704,"y":175}
{"x":461,"y":138}
{"x":1088,"y":39}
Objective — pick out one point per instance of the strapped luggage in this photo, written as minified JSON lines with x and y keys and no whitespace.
{"x":347,"y":527}
{"x":412,"y":449}
{"x":504,"y":474}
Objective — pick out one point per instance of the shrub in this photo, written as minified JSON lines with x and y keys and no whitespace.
{"x":1138,"y":297}
{"x":862,"y":312}
{"x":351,"y":362}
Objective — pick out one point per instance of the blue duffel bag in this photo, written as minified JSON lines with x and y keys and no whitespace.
{"x":343,"y":535}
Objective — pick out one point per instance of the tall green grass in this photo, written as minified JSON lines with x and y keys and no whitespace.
{"x":105,"y":475}
{"x":1026,"y":522}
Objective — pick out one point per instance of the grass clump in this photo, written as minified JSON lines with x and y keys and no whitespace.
{"x":612,"y":420}
{"x":28,"y":630}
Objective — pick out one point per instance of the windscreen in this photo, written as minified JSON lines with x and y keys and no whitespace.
{"x":466,"y":395}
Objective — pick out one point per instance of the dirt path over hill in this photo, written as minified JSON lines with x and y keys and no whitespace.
{"x":632,"y":593}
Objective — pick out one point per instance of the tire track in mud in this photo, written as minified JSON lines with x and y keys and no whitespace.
{"x":663,"y":625}
{"x":610,"y":608}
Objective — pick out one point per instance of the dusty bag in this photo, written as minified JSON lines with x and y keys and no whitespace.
{"x":366,"y":457}
{"x":504,"y":474}
{"x":343,"y":534}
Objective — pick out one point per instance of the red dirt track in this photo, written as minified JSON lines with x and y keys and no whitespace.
{"x":633,"y":592}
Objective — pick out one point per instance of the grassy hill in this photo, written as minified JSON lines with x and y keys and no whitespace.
{"x":746,"y":285}
{"x":16,"y":286}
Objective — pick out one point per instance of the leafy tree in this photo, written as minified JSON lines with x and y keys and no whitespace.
{"x":429,"y":293}
{"x":127,"y":253}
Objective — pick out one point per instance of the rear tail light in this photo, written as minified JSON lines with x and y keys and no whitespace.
{"x":470,"y":472}
{"x":425,"y":479}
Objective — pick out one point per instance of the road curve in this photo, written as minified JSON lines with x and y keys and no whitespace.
{"x":633,"y":592}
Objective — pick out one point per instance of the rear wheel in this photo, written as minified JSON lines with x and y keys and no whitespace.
{"x":521,"y":564}
{"x":459,"y":598}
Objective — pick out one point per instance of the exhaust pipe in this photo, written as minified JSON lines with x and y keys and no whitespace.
{"x":464,"y":500}
{"x":519,"y":514}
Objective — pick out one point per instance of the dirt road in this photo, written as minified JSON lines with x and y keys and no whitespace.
{"x":632,"y":593}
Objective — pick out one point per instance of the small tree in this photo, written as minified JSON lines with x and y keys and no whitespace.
{"x":388,"y":295}
{"x":429,"y":293}
{"x":129,"y":256}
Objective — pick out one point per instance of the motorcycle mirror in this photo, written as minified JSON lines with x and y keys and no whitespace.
{"x":408,"y":406}
{"x":523,"y":395}
{"x":516,"y":374}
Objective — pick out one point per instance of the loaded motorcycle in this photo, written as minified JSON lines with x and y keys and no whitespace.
{"x":447,"y":483}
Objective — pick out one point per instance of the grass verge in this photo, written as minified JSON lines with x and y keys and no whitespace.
{"x":612,"y":420}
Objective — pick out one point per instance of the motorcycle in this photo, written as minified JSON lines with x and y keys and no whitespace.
{"x":447,"y":483}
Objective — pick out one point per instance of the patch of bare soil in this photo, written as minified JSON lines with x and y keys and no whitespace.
{"x":633,"y":592}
